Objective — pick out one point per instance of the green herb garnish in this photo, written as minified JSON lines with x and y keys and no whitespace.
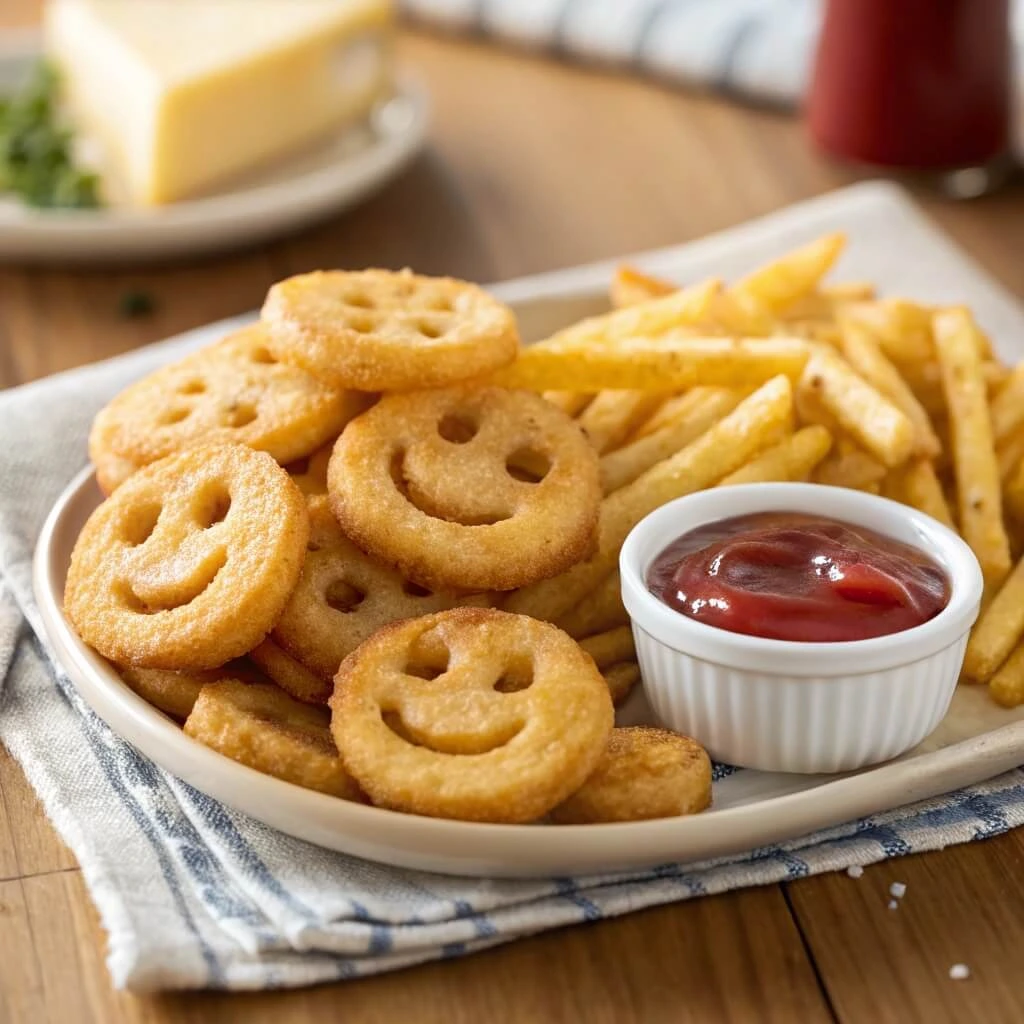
{"x":36,"y":158}
{"x":135,"y":303}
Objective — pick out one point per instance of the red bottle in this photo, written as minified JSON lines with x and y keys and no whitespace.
{"x":918,"y":85}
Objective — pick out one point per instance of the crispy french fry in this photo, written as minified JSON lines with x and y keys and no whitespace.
{"x":613,"y":415}
{"x":1007,"y":685}
{"x":903,"y":329}
{"x":656,"y":364}
{"x":643,"y":320}
{"x":792,"y":458}
{"x":610,"y":647}
{"x":570,"y":402}
{"x":825,"y":332}
{"x":915,"y":484}
{"x":631,"y":286}
{"x":787,"y":279}
{"x":1013,"y":493}
{"x":668,"y":412}
{"x":621,"y":679}
{"x":705,"y":408}
{"x":854,"y":469}
{"x":849,"y":291}
{"x":741,"y":314}
{"x":754,"y":424}
{"x":1007,"y":408}
{"x":974,"y":459}
{"x":600,"y":610}
{"x":1009,"y":455}
{"x":996,"y":377}
{"x":863,"y":353}
{"x":998,"y":631}
{"x":860,"y":409}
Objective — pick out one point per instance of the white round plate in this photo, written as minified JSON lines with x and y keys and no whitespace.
{"x":323,"y":180}
{"x":752,"y":809}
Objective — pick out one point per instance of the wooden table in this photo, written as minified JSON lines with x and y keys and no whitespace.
{"x":535,"y":165}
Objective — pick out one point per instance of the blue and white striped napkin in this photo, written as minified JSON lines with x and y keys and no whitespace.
{"x":194,"y":895}
{"x":759,"y":49}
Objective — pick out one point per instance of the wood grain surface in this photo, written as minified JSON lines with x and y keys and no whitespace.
{"x":534,"y":165}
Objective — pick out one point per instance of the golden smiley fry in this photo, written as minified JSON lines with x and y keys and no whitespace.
{"x":260,"y":726}
{"x":470,"y":713}
{"x":467,"y":488}
{"x":378,"y":330}
{"x":189,"y":563}
{"x":231,"y":392}
{"x":343,"y":596}
{"x":644,"y":773}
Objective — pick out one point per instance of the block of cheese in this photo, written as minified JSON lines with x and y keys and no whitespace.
{"x":180,"y":96}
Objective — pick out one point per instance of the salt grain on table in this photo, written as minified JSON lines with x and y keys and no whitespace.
{"x":897,"y":890}
{"x":893,"y":904}
{"x":855,"y":871}
{"x":959,"y":972}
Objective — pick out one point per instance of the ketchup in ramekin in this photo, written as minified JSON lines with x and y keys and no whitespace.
{"x":790,"y":576}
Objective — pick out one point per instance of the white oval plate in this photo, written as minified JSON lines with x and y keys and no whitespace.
{"x":976,"y":740}
{"x":324,"y":180}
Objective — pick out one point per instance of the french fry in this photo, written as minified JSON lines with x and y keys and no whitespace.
{"x":643,"y":320}
{"x":996,"y":377}
{"x":1007,"y":408}
{"x":860,"y":409}
{"x":668,"y":412}
{"x":740,"y":314}
{"x":849,"y":468}
{"x":866,"y":357}
{"x":655,"y":364}
{"x":610,"y":647}
{"x":1007,"y":685}
{"x":1013,"y":493}
{"x":903,"y":329}
{"x":613,"y":415}
{"x":1009,"y":455}
{"x":792,"y":458}
{"x":621,"y":679}
{"x":570,"y":402}
{"x":755,"y":423}
{"x":705,"y":408}
{"x":998,"y":630}
{"x":974,"y":459}
{"x":915,"y":484}
{"x":781,"y":283}
{"x":600,"y":610}
{"x":849,"y":291}
{"x":827,"y":302}
{"x":925,"y":380}
{"x":631,"y":286}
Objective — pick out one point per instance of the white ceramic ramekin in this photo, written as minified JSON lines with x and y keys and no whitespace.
{"x":782,"y":706}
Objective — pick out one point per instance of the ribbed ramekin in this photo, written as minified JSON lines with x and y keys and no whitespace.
{"x":782,"y":706}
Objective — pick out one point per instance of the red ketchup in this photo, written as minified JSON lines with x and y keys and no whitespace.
{"x":789,"y":576}
{"x":914,"y":84}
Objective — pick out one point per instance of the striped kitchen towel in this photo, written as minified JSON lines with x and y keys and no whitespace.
{"x":758,"y":49}
{"x":195,"y":895}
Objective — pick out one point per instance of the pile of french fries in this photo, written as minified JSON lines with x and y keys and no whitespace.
{"x":780,"y":376}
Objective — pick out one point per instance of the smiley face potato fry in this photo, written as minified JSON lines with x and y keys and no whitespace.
{"x":189,"y":563}
{"x":471,"y":713}
{"x":231,"y":392}
{"x":260,"y":726}
{"x":378,"y":330}
{"x":470,"y":488}
{"x":644,"y":773}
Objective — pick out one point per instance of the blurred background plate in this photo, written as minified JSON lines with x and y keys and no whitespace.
{"x":278,"y":199}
